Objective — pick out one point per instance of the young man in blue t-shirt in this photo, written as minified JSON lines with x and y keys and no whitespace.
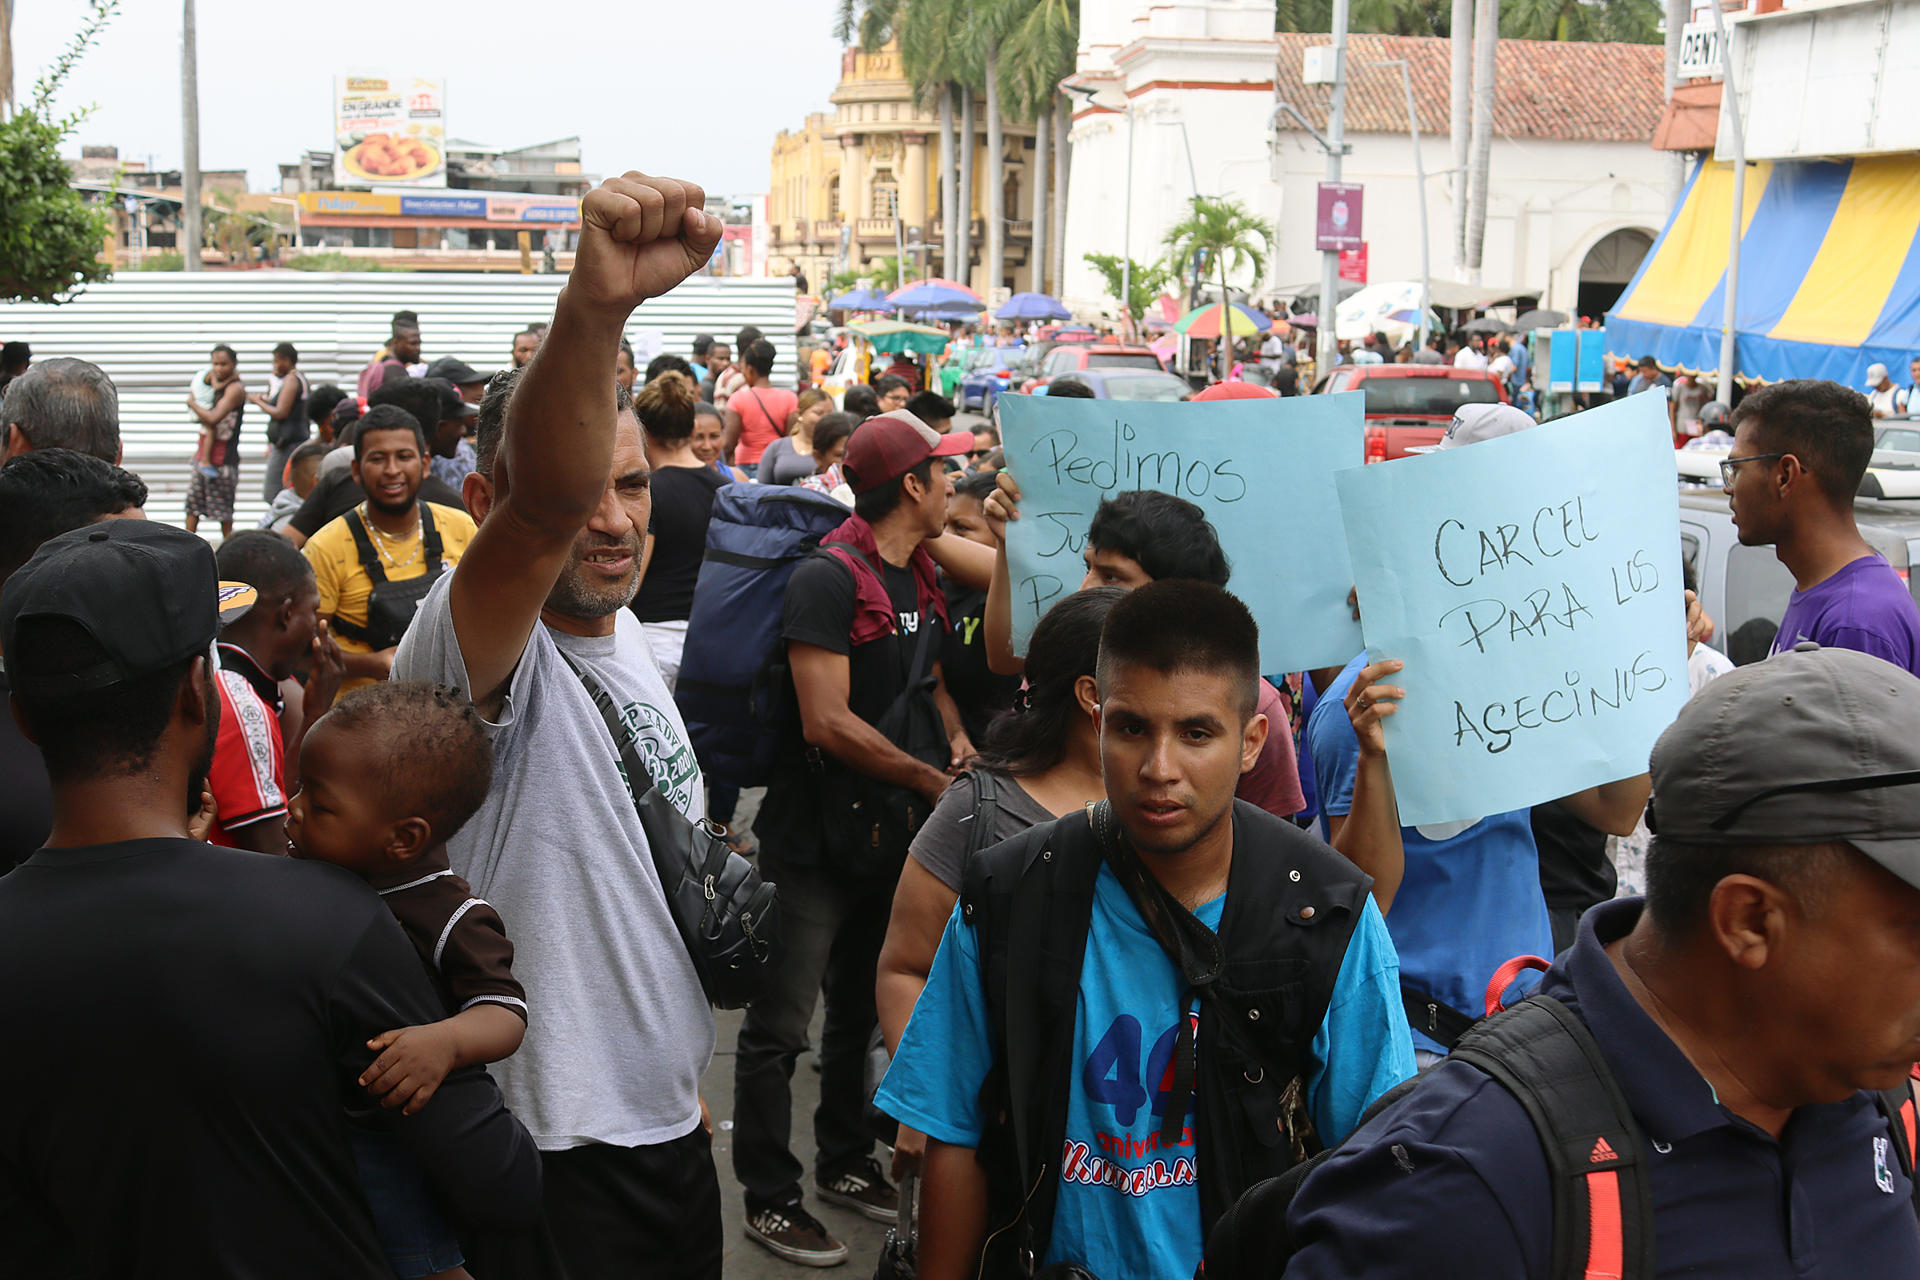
{"x":1800,"y":449}
{"x":1159,"y":1094}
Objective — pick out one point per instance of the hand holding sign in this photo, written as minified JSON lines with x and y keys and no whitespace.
{"x":1260,"y":470}
{"x":1531,"y":585}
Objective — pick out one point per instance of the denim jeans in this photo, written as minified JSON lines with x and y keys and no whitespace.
{"x":831,"y":930}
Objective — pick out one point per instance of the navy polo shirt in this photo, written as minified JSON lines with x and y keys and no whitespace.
{"x":1451,"y":1181}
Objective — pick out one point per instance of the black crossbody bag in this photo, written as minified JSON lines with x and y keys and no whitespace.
{"x":391,"y":605}
{"x":728,"y":917}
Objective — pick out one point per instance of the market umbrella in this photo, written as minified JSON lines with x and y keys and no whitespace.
{"x":890,"y":337}
{"x":1204,"y":322}
{"x":1488,"y":324}
{"x":860,"y":300}
{"x":946,"y":311}
{"x":1304,"y":320}
{"x":1032,"y":306}
{"x":932,"y":293}
{"x":1539,"y":320}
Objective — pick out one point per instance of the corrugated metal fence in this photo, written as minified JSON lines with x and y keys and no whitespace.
{"x":152,"y":334}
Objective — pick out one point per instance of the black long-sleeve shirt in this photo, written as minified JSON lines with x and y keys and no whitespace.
{"x":185,"y":1026}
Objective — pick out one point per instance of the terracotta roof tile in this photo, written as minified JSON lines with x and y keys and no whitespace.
{"x":1571,"y":90}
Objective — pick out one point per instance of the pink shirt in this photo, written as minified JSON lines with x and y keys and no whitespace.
{"x":763,"y":419}
{"x":1274,"y":781}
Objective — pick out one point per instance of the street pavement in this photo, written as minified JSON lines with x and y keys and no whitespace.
{"x":745,"y":1260}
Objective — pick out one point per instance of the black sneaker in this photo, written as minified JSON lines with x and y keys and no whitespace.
{"x":863,"y":1189}
{"x":792,"y":1233}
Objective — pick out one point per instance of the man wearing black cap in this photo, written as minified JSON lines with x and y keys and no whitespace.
{"x":43,"y":494}
{"x":1748,"y":1009}
{"x":471,"y":382}
{"x":205,"y":1011}
{"x":863,"y":622}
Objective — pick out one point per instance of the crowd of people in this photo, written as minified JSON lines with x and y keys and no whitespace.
{"x":332,"y":855}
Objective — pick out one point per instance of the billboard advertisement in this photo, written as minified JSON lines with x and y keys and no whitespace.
{"x":389,"y":131}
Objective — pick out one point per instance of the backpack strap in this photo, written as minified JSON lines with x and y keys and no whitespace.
{"x":364,"y":545}
{"x":1026,"y":924}
{"x":1898,"y":1107}
{"x":986,"y":807}
{"x":430,"y":548}
{"x":1542,"y":1054}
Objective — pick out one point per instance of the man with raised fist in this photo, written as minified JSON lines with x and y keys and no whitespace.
{"x":608,"y":1078}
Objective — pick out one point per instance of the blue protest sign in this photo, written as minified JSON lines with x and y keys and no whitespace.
{"x":1531,"y":584}
{"x":1262,"y":470}
{"x":1563,"y":359}
{"x":1592,"y":374}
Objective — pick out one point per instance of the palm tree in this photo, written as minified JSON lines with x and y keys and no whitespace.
{"x":1038,"y":52}
{"x":6,"y":58}
{"x":1486,"y":41}
{"x":1631,"y":21}
{"x":1231,"y":237}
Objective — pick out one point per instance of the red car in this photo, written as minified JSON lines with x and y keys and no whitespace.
{"x":1091,"y":355}
{"x":1410,"y":405}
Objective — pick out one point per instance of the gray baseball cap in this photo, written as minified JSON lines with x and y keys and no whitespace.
{"x":1811,"y":746}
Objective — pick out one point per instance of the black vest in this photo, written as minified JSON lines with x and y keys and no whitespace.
{"x":1292,"y":903}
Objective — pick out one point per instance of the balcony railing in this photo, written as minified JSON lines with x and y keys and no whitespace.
{"x":826,"y":229}
{"x":874,"y":228}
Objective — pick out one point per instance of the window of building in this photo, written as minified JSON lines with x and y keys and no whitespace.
{"x":833,"y":199}
{"x":893,"y":111}
{"x":886,"y":195}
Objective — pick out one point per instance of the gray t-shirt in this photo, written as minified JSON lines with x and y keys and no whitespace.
{"x":941,"y":844}
{"x":622,"y":1030}
{"x":781,"y":464}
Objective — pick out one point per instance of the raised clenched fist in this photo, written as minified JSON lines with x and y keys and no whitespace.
{"x":639,"y":237}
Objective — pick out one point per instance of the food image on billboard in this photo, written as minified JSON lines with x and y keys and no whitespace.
{"x":390,"y":130}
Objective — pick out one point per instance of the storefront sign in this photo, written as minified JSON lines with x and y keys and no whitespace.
{"x":364,"y":202}
{"x":1700,"y":51}
{"x":448,"y":206}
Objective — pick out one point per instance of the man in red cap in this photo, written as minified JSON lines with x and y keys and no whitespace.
{"x":877,"y":741}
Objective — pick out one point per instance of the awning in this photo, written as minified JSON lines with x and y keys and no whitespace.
{"x":1691,"y":121}
{"x":1829,"y":273}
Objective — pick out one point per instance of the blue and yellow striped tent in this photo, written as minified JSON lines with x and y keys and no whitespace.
{"x":1829,"y":273}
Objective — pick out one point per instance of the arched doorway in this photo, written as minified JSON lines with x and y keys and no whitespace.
{"x":1609,"y":266}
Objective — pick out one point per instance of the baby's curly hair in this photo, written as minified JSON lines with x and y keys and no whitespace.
{"x":428,"y":749}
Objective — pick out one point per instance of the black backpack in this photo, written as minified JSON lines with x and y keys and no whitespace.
{"x":1543,"y":1055}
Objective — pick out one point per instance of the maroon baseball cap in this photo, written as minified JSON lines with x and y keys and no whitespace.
{"x":887,"y":447}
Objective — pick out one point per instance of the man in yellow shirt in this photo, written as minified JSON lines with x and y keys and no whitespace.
{"x":374,"y":564}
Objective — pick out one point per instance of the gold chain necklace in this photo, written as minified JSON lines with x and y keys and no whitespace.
{"x":380,"y":541}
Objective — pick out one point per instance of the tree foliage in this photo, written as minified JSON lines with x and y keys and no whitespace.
{"x":50,"y":238}
{"x":1229,"y":237}
{"x":1630,"y":21}
{"x":1148,"y":280}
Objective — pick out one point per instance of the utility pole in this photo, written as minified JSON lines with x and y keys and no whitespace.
{"x":1126,"y":232}
{"x":1730,"y":99}
{"x":1420,"y":184}
{"x":1337,"y":145}
{"x":190,"y":130}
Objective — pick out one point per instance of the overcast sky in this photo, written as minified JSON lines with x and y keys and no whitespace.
{"x":696,"y":90}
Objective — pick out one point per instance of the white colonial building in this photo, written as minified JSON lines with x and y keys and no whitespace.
{"x":1576,"y":194}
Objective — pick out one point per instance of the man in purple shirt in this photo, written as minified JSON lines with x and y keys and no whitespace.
{"x":1799,"y":451}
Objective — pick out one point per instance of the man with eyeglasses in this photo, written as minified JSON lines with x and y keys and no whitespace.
{"x":1749,"y":1009}
{"x":1800,"y":449}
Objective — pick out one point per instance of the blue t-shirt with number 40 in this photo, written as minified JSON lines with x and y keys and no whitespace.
{"x":1129,"y":1207}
